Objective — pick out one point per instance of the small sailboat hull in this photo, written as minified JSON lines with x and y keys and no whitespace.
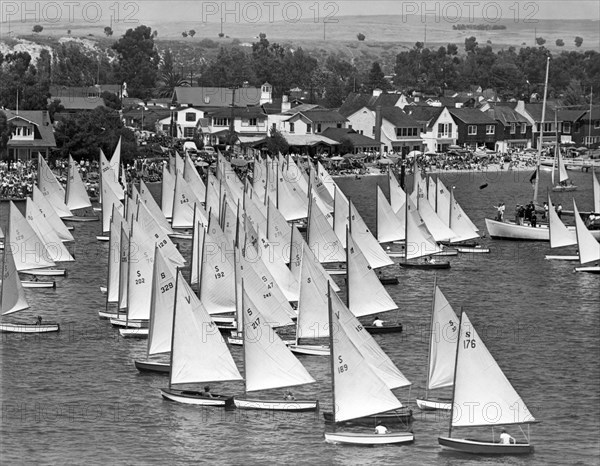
{"x":425,"y":265}
{"x":474,"y":250}
{"x":123,"y":322}
{"x":152,"y":366}
{"x":192,"y":397}
{"x":38,"y":284}
{"x":133,"y":332}
{"x":311,"y":350}
{"x":277,"y":405}
{"x":78,"y":218}
{"x":45,"y":272}
{"x":563,"y":189}
{"x":22,"y":327}
{"x":389,"y":280}
{"x":551,"y":257}
{"x":357,"y":438}
{"x":434,"y":405}
{"x":505,"y":230}
{"x":397,"y":416}
{"x":588,"y":269}
{"x":479,"y":447}
{"x":180,"y":236}
{"x":447,"y":252}
{"x":111,"y":315}
{"x":335,"y":271}
{"x":396,"y":328}
{"x":102,"y":238}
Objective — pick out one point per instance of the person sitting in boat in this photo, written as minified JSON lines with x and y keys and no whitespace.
{"x":506,"y":438}
{"x":381,"y":429}
{"x":545,"y":214}
{"x":288,"y":396}
{"x":533,"y":219}
{"x":38,"y":320}
{"x":378,"y":322}
{"x":207,"y":392}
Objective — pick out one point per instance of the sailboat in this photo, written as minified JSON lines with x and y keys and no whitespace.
{"x":12,"y":299}
{"x":559,"y":235}
{"x":357,"y":388}
{"x":442,"y":351}
{"x":589,"y":248}
{"x":198,"y":352}
{"x":76,"y":195}
{"x":268,"y":364}
{"x":482,"y":396}
{"x":563,"y":176}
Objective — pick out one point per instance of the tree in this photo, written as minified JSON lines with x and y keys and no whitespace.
{"x":192,"y":33}
{"x":574,"y":93}
{"x":168,"y":82}
{"x":111,"y":100}
{"x":68,"y":31}
{"x":470,"y":44}
{"x":452,"y":49}
{"x":346,"y":146}
{"x":360,"y":36}
{"x":560,"y":42}
{"x":37,"y":28}
{"x":276,"y":143}
{"x":54,"y":107}
{"x":376,"y":79}
{"x":540,"y":41}
{"x":6,"y":130}
{"x":108,"y":31}
{"x":578,"y":41}
{"x":184,"y":34}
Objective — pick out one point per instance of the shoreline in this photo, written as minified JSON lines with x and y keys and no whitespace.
{"x":492,"y":168}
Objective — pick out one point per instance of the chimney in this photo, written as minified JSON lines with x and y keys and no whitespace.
{"x":378,"y":120}
{"x":377,"y":92}
{"x":285,"y":104}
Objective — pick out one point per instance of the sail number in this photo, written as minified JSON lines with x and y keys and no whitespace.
{"x":167,"y":287}
{"x":342,"y":367}
{"x":218,"y":273}
{"x":468,"y":342}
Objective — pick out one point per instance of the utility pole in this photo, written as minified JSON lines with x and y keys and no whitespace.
{"x":231,"y":121}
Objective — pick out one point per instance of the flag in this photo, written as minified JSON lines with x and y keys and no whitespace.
{"x":533,"y":176}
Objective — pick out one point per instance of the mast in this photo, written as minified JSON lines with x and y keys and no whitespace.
{"x":120,"y":293}
{"x":539,"y":159}
{"x":6,"y":251}
{"x":194,"y":239}
{"x":128,"y":272}
{"x":331,"y":361}
{"x":451,"y":203}
{"x":556,"y":149}
{"x":110,"y":258}
{"x":431,"y":334}
{"x":347,"y":269}
{"x":173,"y":326}
{"x":244,"y":335}
{"x":454,"y":379}
{"x":590,"y":130}
{"x":200,"y":260}
{"x":152,"y":299}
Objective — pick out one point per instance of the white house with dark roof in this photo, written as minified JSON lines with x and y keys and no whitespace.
{"x":214,"y":97}
{"x":440,"y":130}
{"x":185,"y":121}
{"x":32,"y":134}
{"x":312,"y":121}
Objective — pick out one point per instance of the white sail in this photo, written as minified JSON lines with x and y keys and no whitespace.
{"x":109,"y":199}
{"x":51,"y":216}
{"x":52,"y":189}
{"x":291,"y":201}
{"x":366,"y":294}
{"x":115,"y":160}
{"x":29,"y":251}
{"x":483,"y":396}
{"x":563,"y":176}
{"x":160,"y":327}
{"x":442,"y":347}
{"x":328,"y":181}
{"x":77,"y":196}
{"x":13,"y":296}
{"x":147,"y":198}
{"x":199,"y":353}
{"x":313,"y":319}
{"x":179,"y":164}
{"x":323,"y":241}
{"x":372,"y":250}
{"x":268,"y":361}
{"x":379,"y":361}
{"x":436,"y":227}
{"x":110,"y":177}
{"x":389,"y":225}
{"x":139,"y":283}
{"x":183,"y":204}
{"x":320,"y":191}
{"x":358,"y":390}
{"x":114,"y":258}
{"x":197,"y":246}
{"x":460,"y":223}
{"x":397,"y":194}
{"x":278,"y":268}
{"x":341,"y":212}
{"x":168,"y":192}
{"x":55,"y":248}
{"x":589,"y":248}
{"x":559,"y":234}
{"x":192,"y":176}
{"x":419,"y":241}
{"x":125,"y":245}
{"x":596,"y":192}
{"x":278,"y":232}
{"x":259,"y":177}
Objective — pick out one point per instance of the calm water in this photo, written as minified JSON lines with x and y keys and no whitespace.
{"x":75,"y":397}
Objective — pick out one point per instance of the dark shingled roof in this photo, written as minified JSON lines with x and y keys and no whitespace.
{"x":471,"y":116}
{"x":535,"y":110}
{"x":216,"y":96}
{"x":506,"y":115}
{"x":399,"y":118}
{"x":425,"y":115}
{"x":355,"y":101}
{"x":44,"y":135}
{"x":357,"y":139}
{"x":323,"y":114}
{"x":241,"y":112}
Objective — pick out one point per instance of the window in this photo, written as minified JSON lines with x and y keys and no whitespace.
{"x":274,"y":126}
{"x":576,"y":127}
{"x":472,"y":130}
{"x":190,"y":116}
{"x":597,"y":124}
{"x":188,"y":132}
{"x":339,"y":125}
{"x":523,"y":128}
{"x":308,"y":128}
{"x":407,"y":132}
{"x":291,"y":127}
{"x":248,"y":121}
{"x":318,"y":127}
{"x":490,"y":129}
{"x":444,"y":130}
{"x":513,"y":128}
{"x":547,"y":127}
{"x":566,"y":127}
{"x":373,"y":131}
{"x":220,"y":121}
{"x":166,"y":128}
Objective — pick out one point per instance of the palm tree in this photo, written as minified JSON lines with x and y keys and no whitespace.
{"x":169,"y":81}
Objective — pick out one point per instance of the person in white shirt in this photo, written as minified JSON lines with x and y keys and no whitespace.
{"x":378,"y":322}
{"x":381,"y":429}
{"x":506,"y":438}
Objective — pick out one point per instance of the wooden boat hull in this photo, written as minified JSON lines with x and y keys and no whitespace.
{"x":448,"y":252}
{"x":389,"y":280}
{"x":277,"y":405}
{"x":398,"y":416}
{"x":474,"y":250}
{"x":103,"y":238}
{"x":551,"y":257}
{"x":22,"y":327}
{"x":134,"y":332}
{"x":82,"y":218}
{"x":479,"y":447}
{"x":111,"y":315}
{"x":425,"y":265}
{"x":180,"y":235}
{"x":357,"y":438}
{"x":400,"y":254}
{"x":564,"y":189}
{"x":191,"y":397}
{"x":335,"y":271}
{"x":46,"y":272}
{"x":239,"y":341}
{"x":38,"y":284}
{"x":396,"y":328}
{"x":123,"y":322}
{"x":310,"y":350}
{"x":152,"y":366}
{"x":588,"y":269}
{"x":434,"y":405}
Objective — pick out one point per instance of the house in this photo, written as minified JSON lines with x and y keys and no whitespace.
{"x":570,"y":129}
{"x":360,"y":142}
{"x":312,"y":121}
{"x":586,"y":130}
{"x":249,"y":125}
{"x":281,"y":104}
{"x":218,"y":97}
{"x":533,"y":113}
{"x":474,"y":128}
{"x":439,"y":131}
{"x":514,"y":130}
{"x":78,"y":104}
{"x":276,"y":119}
{"x":355,"y":101}
{"x":64,"y":92}
{"x":32,"y":134}
{"x":398,"y":131}
{"x":182,"y":122}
